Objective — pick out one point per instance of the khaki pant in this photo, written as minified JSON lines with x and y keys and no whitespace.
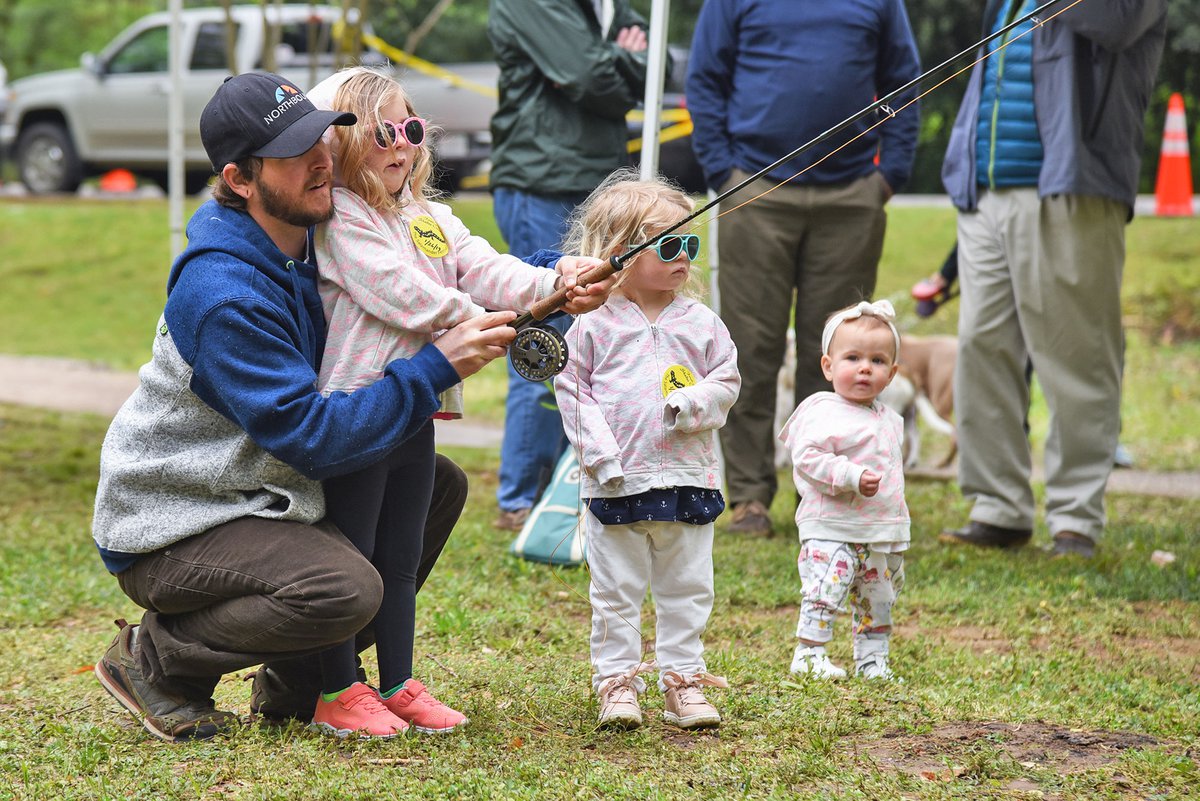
{"x":256,"y":590}
{"x":817,"y":244}
{"x":1040,"y":280}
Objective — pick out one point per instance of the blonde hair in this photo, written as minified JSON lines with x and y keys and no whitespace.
{"x":365,"y":92}
{"x":625,"y":210}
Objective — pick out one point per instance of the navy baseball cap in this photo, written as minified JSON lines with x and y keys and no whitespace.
{"x":262,"y":114}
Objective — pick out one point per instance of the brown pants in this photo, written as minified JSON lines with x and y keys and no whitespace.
{"x":818,"y":244}
{"x":256,"y":590}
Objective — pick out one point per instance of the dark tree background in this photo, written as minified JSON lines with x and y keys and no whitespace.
{"x":39,"y":35}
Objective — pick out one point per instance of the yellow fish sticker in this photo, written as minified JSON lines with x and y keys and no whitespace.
{"x":676,"y":377}
{"x":427,"y":236}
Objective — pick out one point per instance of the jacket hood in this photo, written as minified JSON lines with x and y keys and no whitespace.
{"x":215,"y":229}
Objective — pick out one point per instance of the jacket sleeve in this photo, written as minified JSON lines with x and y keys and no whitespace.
{"x":896,"y":65}
{"x":563,"y":46}
{"x":708,"y":86}
{"x":247,"y":367}
{"x":360,"y":257}
{"x":495,"y":280}
{"x":1114,"y":24}
{"x":583,"y":419}
{"x":705,"y":406}
{"x":813,"y":447}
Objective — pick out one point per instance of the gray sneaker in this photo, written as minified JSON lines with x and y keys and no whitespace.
{"x":166,"y":715}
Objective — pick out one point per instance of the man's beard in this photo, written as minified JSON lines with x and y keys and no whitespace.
{"x":285,"y":209}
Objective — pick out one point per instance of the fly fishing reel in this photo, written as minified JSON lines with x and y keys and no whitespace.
{"x":538,"y":353}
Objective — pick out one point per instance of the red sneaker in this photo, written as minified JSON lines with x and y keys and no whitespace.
{"x":357,"y":711}
{"x":414,"y":704}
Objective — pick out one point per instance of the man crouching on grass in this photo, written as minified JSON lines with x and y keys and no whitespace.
{"x":209,"y":507}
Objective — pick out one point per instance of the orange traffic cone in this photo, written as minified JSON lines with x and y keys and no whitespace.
{"x":118,"y":181}
{"x":1173,"y":190}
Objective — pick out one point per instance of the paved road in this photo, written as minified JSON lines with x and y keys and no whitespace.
{"x":76,"y":386}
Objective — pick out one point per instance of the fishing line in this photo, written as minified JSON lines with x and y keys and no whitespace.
{"x":883,"y":104}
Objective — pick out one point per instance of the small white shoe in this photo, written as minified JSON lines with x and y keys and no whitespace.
{"x":875,"y":667}
{"x":813,"y":661}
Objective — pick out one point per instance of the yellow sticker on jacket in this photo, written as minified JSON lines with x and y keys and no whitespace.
{"x":428,"y":236}
{"x":676,"y":377}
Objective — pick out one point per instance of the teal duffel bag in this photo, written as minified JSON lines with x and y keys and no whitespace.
{"x":553,"y":533}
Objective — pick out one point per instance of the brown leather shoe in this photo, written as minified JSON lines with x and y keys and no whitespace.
{"x":163,"y":713}
{"x":752,"y":519}
{"x":1069,"y":543}
{"x":986,"y":535}
{"x":511,"y":521}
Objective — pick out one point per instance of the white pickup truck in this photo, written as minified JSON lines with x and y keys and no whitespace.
{"x":61,"y":127}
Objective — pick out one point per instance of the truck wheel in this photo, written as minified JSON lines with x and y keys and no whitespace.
{"x":46,"y":159}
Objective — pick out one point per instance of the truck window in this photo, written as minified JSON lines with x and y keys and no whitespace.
{"x":146,"y":52}
{"x":209,"y":52}
{"x":297,"y":44}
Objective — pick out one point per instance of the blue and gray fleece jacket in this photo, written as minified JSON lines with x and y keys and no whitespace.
{"x":226,"y":421}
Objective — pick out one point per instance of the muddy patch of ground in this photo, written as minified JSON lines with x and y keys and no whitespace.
{"x":1004,"y":749}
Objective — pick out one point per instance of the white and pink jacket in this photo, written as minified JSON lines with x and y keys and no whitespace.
{"x":641,"y":402}
{"x":832,"y":442}
{"x":387,"y":292}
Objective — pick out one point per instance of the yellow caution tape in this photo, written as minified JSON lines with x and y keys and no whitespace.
{"x":427,"y":67}
{"x":676,"y":131}
{"x":681,"y":121}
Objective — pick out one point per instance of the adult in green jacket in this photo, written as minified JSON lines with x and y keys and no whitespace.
{"x":569,"y":72}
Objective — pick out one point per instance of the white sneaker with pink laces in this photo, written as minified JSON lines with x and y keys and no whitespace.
{"x":685,"y":704}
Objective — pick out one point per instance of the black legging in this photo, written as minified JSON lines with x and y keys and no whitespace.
{"x":381,"y":509}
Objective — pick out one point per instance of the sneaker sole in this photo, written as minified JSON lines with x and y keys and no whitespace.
{"x":446,"y":730}
{"x":342,"y":734}
{"x":618,"y":722}
{"x":118,"y":692}
{"x":692,"y":721}
{"x":808,"y":674}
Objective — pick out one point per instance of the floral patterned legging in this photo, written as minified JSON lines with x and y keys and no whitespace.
{"x":832,"y":573}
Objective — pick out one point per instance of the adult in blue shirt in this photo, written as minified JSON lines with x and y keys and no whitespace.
{"x":764,"y":77}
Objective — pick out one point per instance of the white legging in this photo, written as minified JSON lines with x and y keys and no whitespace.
{"x":675,"y":560}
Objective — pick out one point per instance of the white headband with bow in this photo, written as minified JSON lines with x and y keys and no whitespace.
{"x":880,"y":310}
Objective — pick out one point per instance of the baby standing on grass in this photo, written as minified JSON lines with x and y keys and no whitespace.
{"x":395,"y":270}
{"x":852,"y":518}
{"x":650,"y":379}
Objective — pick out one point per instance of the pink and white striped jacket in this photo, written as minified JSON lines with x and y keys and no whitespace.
{"x":387,"y":294}
{"x":832,"y":442}
{"x":611,"y":396}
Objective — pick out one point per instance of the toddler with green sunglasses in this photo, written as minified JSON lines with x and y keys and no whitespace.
{"x":650,"y":378}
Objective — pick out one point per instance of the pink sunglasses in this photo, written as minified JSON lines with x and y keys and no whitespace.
{"x":411,"y":131}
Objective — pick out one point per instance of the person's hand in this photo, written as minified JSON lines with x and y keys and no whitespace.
{"x":868,"y":485}
{"x":888,"y":192}
{"x":632,"y":39}
{"x":473,"y":343}
{"x":582,"y":299}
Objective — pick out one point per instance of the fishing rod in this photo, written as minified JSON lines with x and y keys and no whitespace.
{"x":539,"y":352}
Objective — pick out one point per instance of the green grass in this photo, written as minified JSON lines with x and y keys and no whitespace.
{"x":1026,"y":677}
{"x":86,"y":280}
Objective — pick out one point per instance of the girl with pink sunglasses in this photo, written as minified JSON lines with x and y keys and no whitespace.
{"x":397,"y":269}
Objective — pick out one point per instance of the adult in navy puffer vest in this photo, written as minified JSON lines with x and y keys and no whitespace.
{"x":1043,"y":165}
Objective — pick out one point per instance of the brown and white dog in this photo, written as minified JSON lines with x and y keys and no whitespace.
{"x":924,"y":388}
